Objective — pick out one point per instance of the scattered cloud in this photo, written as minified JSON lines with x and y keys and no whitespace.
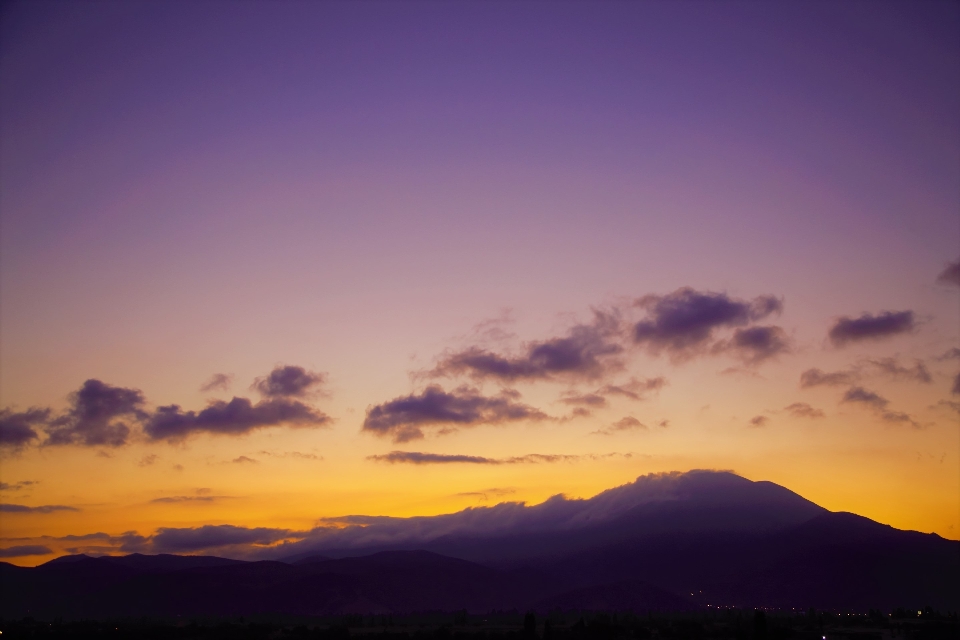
{"x":188,"y":499}
{"x":17,"y":486}
{"x":759,"y":421}
{"x":816,"y":378}
{"x":956,"y":385}
{"x":879,"y":405}
{"x":486,"y":494}
{"x":237,"y":417}
{"x":416,"y":457}
{"x":635,"y":389}
{"x":627,"y":423}
{"x":754,"y":345}
{"x":863,"y":396}
{"x":871,"y":327}
{"x":804,"y":410}
{"x":586,"y":399}
{"x":892,"y":368}
{"x":950,"y":274}
{"x":243,"y":459}
{"x":217,"y":382}
{"x":22,"y":550}
{"x":146,"y":461}
{"x":288,"y":382}
{"x":93,"y":418}
{"x":949,"y":354}
{"x":17,"y":428}
{"x":682,"y":323}
{"x":170,"y":540}
{"x":291,"y":454}
{"x":47,"y":508}
{"x":663,"y":423}
{"x":405,"y":418}
{"x":588,"y":351}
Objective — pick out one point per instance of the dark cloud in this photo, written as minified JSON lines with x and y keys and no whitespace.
{"x":586,"y":399}
{"x":92,"y":420}
{"x":863,"y":396}
{"x":804,"y":410}
{"x":816,"y":377}
{"x":288,"y":382}
{"x":17,"y":429}
{"x":949,"y":354}
{"x":16,"y":486}
{"x":587,"y":352}
{"x":416,"y":457}
{"x":870,"y":327}
{"x":217,"y":382}
{"x":169,"y":540}
{"x":753,"y":345}
{"x":956,"y":385}
{"x":237,"y":417}
{"x":47,"y":508}
{"x":627,"y":423}
{"x":950,"y":274}
{"x":893,"y":369}
{"x":24,"y":550}
{"x":759,"y":421}
{"x":404,"y":418}
{"x":683,"y":322}
{"x":898,"y":417}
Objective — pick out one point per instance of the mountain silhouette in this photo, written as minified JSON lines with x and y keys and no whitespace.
{"x":667,"y":542}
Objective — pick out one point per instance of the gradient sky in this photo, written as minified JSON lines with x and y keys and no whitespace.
{"x":494,"y":213}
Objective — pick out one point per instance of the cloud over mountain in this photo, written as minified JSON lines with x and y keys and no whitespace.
{"x":404,"y":418}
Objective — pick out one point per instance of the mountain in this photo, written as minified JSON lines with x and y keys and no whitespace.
{"x":669,"y":542}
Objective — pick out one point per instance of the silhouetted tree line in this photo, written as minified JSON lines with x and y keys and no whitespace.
{"x":901,"y":624}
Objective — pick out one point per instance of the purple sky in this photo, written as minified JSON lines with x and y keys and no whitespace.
{"x":198,"y":188}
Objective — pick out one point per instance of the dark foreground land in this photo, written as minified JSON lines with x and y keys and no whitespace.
{"x":730,"y":624}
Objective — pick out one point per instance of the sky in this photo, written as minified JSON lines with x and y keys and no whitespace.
{"x":264,"y":265}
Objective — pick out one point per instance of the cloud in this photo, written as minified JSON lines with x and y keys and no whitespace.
{"x":404,"y":418}
{"x":879,"y":405}
{"x":816,"y":377}
{"x":16,"y":486}
{"x":950,"y":274}
{"x":586,"y":399}
{"x":170,"y":540}
{"x":893,"y":369}
{"x":949,"y":354}
{"x":146,"y":461}
{"x":243,"y":459}
{"x":217,"y":382}
{"x":20,"y":551}
{"x":237,"y":417}
{"x":682,"y":323}
{"x":288,"y":382}
{"x":803,"y":410}
{"x":416,"y":457}
{"x":588,"y":351}
{"x":292,"y":454}
{"x":485,"y":494}
{"x":759,"y":421}
{"x":47,"y":508}
{"x":754,"y":345}
{"x":861,"y":395}
{"x":17,"y":429}
{"x":869,"y":327}
{"x":627,"y":423}
{"x":188,"y":499}
{"x":956,"y":385}
{"x":635,"y":389}
{"x":92,"y":420}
